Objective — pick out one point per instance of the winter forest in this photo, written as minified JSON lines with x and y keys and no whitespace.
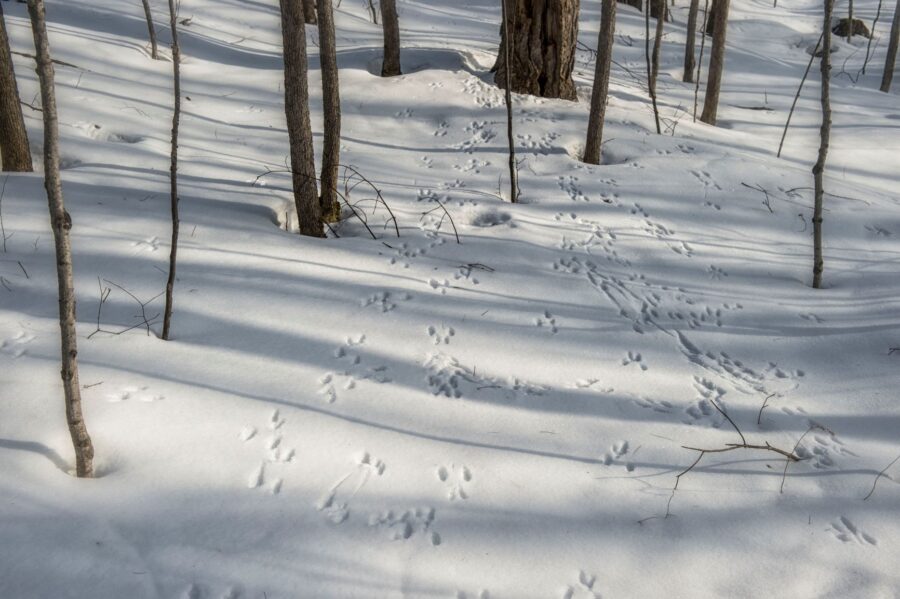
{"x":464,"y":299}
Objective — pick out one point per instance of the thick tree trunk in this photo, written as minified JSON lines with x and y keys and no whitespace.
{"x":891,"y":58}
{"x":542,"y":48}
{"x":605,"y":41}
{"x":296,"y":108}
{"x":824,"y":138}
{"x":331,"y":101}
{"x":309,"y":12}
{"x":61,"y":223}
{"x":390,"y":67}
{"x":691,"y":42}
{"x":513,"y":167}
{"x":719,"y":13}
{"x":173,"y":170}
{"x":14,"y":150}
{"x":154,"y":51}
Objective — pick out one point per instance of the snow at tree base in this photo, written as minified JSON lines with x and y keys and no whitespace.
{"x":410,"y":416}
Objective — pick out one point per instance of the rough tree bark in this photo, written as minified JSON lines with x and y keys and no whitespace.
{"x":61,"y":223}
{"x":331,"y":101}
{"x":690,"y":42}
{"x":605,"y":41}
{"x":14,"y":150}
{"x":154,"y":50}
{"x":296,"y":108}
{"x":309,"y":12}
{"x":891,"y":58}
{"x":719,"y":14}
{"x":542,"y":35}
{"x":824,"y":139}
{"x":390,"y":67}
{"x":173,"y":170}
{"x":513,"y":172}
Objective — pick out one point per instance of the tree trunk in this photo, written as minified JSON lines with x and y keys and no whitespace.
{"x":657,"y":8}
{"x":542,"y":48}
{"x":390,"y":67}
{"x":309,"y":12}
{"x":651,"y":81}
{"x":296,"y":108}
{"x":513,"y":167}
{"x":716,"y":61}
{"x":14,"y":149}
{"x":61,"y":223}
{"x":700,"y":60}
{"x":690,"y":42}
{"x":331,"y":101}
{"x":638,"y":4}
{"x":154,"y":52}
{"x":605,"y":42}
{"x":173,"y":169}
{"x":850,"y":21}
{"x":891,"y":58}
{"x":824,"y":138}
{"x":657,"y":38}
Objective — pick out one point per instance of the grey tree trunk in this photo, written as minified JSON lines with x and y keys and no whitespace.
{"x":154,"y":51}
{"x":296,"y":108}
{"x":309,"y":12}
{"x":331,"y":101}
{"x":14,"y":149}
{"x":657,"y":39}
{"x":700,"y":60}
{"x":824,"y":139}
{"x":390,"y":67}
{"x":542,"y":37}
{"x":173,"y":170}
{"x":513,"y":170}
{"x":719,"y":14}
{"x":651,"y":80}
{"x":605,"y":41}
{"x":891,"y":58}
{"x":691,"y":42}
{"x":871,"y":36}
{"x":61,"y":223}
{"x":850,"y":25}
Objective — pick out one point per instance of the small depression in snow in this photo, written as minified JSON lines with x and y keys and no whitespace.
{"x":489,"y":218}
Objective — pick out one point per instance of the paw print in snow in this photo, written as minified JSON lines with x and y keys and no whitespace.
{"x":457,"y":478}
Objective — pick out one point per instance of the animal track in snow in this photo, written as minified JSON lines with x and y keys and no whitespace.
{"x":139,"y":393}
{"x":683,"y":248}
{"x":542,"y":145}
{"x":150,"y":245}
{"x":702,"y":409}
{"x":822,"y":448}
{"x":385,"y":300}
{"x":715,"y":273}
{"x":275,"y":454}
{"x":662,"y":406}
{"x":878,"y":231}
{"x":334,"y":504}
{"x":847,"y":532}
{"x":404,"y":114}
{"x":634,"y":358}
{"x":484,"y":95}
{"x":615,"y":454}
{"x":353,"y":372}
{"x":15,"y":346}
{"x":637,"y":209}
{"x":569,"y":184}
{"x":547,"y":320}
{"x":472,"y":166}
{"x":447,"y":377}
{"x":706,"y":179}
{"x":812,"y":317}
{"x":584,"y":589}
{"x":440,"y":335}
{"x":403,"y":525}
{"x":457,"y":479}
{"x":480,"y":133}
{"x":708,"y":204}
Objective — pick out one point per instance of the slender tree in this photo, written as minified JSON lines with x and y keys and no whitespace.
{"x":542,"y":37}
{"x":173,"y":169}
{"x":818,"y":169}
{"x":605,"y":41}
{"x":154,"y":50}
{"x":657,"y":39}
{"x":871,"y":35}
{"x":891,"y":58}
{"x":850,"y":21}
{"x":331,"y":101}
{"x":14,"y":149}
{"x":700,"y":59}
{"x":690,"y":42}
{"x":296,"y":108}
{"x":513,"y":172}
{"x":651,"y":80}
{"x":309,"y":12}
{"x":390,"y":66}
{"x":716,"y":62}
{"x":61,"y":223}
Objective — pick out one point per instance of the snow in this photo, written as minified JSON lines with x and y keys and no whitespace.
{"x":412,"y":417}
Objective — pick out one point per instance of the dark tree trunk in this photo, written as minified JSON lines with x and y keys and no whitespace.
{"x":891,"y":58}
{"x":296,"y":108}
{"x":542,"y":49}
{"x":173,"y":170}
{"x":638,"y":4}
{"x":14,"y":149}
{"x":390,"y":67}
{"x":691,"y":42}
{"x":651,"y":79}
{"x":601,"y":82}
{"x":331,"y":101}
{"x":61,"y":223}
{"x":154,"y":51}
{"x":719,"y":14}
{"x":824,"y":139}
{"x":309,"y":12}
{"x":657,"y":39}
{"x":513,"y":167}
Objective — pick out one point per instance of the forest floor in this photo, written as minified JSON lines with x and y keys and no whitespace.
{"x":418,"y":417}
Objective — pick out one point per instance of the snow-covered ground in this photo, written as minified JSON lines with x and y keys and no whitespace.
{"x":413,"y":417}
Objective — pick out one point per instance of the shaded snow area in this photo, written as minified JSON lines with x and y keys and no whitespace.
{"x":499,"y":418}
